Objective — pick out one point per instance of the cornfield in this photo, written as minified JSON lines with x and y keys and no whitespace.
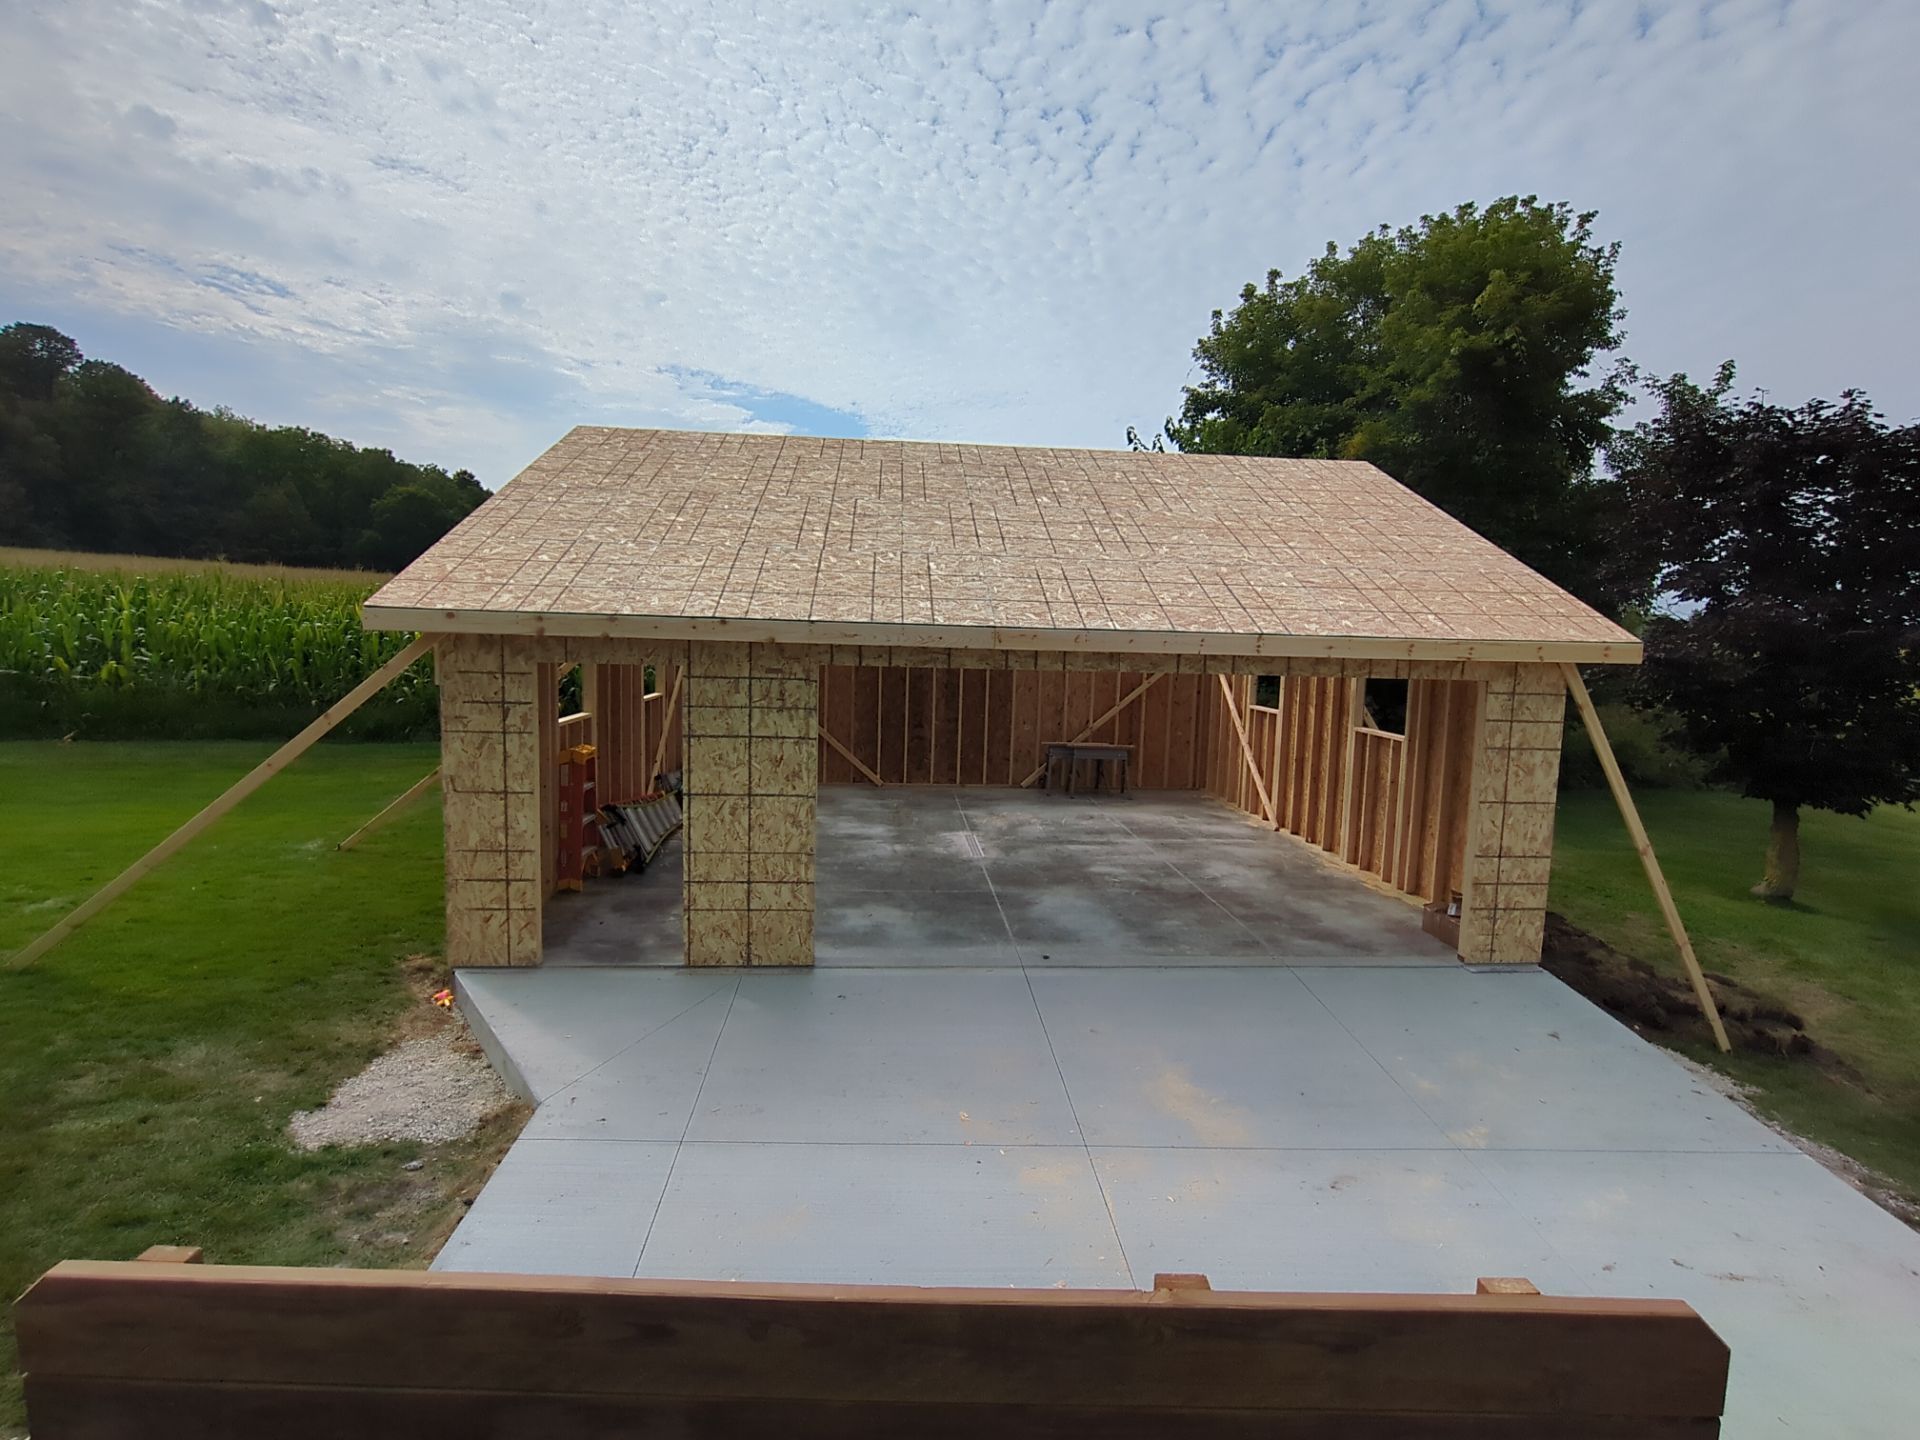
{"x":207,"y":653}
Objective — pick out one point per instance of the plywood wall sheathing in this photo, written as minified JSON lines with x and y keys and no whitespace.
{"x":1516,"y":764}
{"x":751,"y":775}
{"x":490,"y":703}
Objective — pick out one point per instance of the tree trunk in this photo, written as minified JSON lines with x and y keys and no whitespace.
{"x":1783,"y":854}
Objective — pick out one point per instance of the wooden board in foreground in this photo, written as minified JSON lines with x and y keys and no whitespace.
{"x":239,"y":1351}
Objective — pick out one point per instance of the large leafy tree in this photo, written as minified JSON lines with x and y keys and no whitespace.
{"x":1458,"y":355}
{"x":1788,"y":541}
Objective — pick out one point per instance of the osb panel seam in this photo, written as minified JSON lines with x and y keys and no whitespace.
{"x":750,"y":802}
{"x":670,"y":525}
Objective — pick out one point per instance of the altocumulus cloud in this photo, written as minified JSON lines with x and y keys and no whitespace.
{"x":458,"y":228}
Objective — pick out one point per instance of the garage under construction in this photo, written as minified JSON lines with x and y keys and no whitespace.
{"x":752,"y":619}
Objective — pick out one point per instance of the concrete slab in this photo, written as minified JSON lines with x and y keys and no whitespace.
{"x":1223,"y":1058}
{"x":562,"y":1207}
{"x":880,"y":1214}
{"x":1335,"y":1128}
{"x":1816,"y":1290}
{"x":1288,"y":900}
{"x":646,"y":1091}
{"x":912,"y":927}
{"x":931,"y":875}
{"x":1322,"y":1219}
{"x":854,"y":1056}
{"x":544,"y":1029}
{"x":631,"y":919}
{"x":1511,"y":1066}
{"x":1159,"y":918}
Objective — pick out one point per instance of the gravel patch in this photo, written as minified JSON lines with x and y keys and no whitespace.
{"x":432,"y":1089}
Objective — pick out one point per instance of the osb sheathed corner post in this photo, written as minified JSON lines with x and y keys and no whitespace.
{"x":751,"y":773}
{"x":1516,"y":769}
{"x":489,"y":758}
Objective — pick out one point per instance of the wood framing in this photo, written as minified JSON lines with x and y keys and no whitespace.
{"x":1256,"y":647}
{"x":636,"y":728}
{"x":232,"y":796}
{"x":670,"y":722}
{"x":1643,"y":846}
{"x":1094,"y":724}
{"x":866,"y":772}
{"x":948,"y":609}
{"x":393,"y":808}
{"x":302,"y":1354}
{"x":987,"y":727}
{"x":1466,"y":791}
{"x":1246,"y":749}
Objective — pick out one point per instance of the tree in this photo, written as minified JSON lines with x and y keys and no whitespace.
{"x":1454,"y":355}
{"x":406,"y":520}
{"x":98,"y":415}
{"x":91,"y":458}
{"x":33,"y":358}
{"x":1788,"y":542}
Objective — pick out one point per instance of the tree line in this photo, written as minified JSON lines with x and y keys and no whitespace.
{"x":1768,"y":555}
{"x":92,"y":458}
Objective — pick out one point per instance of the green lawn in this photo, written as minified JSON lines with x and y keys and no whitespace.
{"x":148,"y":1064}
{"x":1846,"y":955}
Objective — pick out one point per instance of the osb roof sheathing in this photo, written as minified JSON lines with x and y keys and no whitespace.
{"x":765,"y":537}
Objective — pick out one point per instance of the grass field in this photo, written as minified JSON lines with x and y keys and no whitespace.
{"x":149,"y":1064}
{"x":1846,"y":955}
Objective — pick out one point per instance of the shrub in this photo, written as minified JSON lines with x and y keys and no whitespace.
{"x":1647,"y":758}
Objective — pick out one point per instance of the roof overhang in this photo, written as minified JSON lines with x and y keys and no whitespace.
{"x":977,"y":637}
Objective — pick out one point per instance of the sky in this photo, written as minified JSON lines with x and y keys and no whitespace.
{"x":459,"y":229}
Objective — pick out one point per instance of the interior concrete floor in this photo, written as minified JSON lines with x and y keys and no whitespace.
{"x":1333,"y":1127}
{"x":930,"y":875}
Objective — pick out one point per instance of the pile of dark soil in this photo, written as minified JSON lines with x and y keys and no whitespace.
{"x":1663,"y":1008}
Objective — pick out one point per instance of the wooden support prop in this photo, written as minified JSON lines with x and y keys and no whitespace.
{"x":173,"y":1254}
{"x":1648,"y":860}
{"x":851,"y":758}
{"x":667,"y":717}
{"x":1356,"y":715}
{"x":1168,"y":1280}
{"x":237,"y":792}
{"x":1131,"y":696}
{"x":412,"y":793}
{"x":1504,"y":1285}
{"x":1267,"y":810}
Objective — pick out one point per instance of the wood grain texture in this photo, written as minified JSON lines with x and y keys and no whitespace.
{"x":392,"y":808}
{"x":905,"y":725}
{"x":772,"y":539}
{"x":67,"y":1409}
{"x":1391,"y":805}
{"x":278,"y":1348}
